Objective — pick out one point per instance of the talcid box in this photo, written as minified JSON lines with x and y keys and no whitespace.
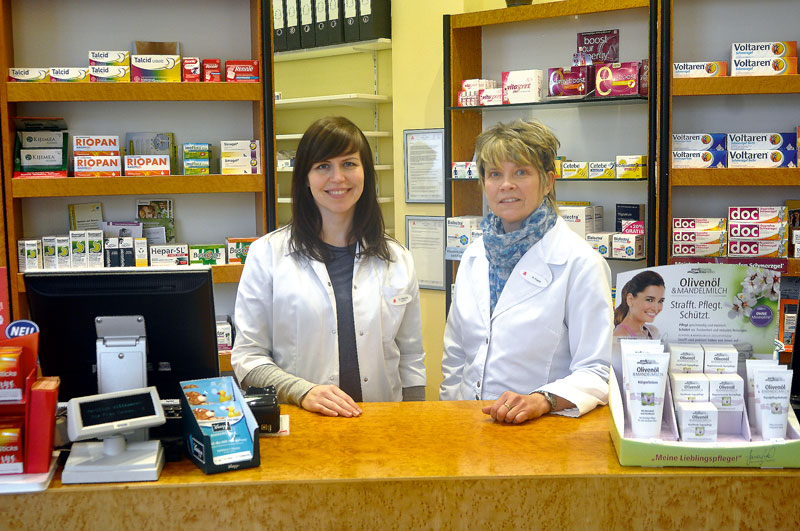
{"x":69,"y":75}
{"x":29,"y":75}
{"x":109,"y":74}
{"x":109,"y":58}
{"x":700,"y":69}
{"x":156,"y":68}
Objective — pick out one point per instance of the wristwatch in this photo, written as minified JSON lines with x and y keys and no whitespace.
{"x":549,"y":397}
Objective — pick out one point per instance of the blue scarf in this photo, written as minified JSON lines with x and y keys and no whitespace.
{"x":503,"y":251}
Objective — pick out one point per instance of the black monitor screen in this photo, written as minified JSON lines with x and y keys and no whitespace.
{"x":178,"y":310}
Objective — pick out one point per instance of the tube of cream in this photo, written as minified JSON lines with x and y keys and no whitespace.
{"x":774,"y":386}
{"x":751,"y":366}
{"x":647,"y":376}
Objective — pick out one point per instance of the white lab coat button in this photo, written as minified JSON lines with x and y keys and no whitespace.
{"x":477,"y":397}
{"x":331,"y":378}
{"x":487,"y":340}
{"x":355,"y":287}
{"x":479,"y":383}
{"x":333,"y":331}
{"x":329,"y":283}
{"x":361,"y":333}
{"x":366,"y":379}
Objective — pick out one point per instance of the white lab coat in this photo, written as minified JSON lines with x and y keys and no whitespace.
{"x":286,"y":315}
{"x":551,"y":328}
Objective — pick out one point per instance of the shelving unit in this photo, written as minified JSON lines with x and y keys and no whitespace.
{"x":242,"y":204}
{"x":363,"y":95}
{"x":484,"y":44}
{"x":723,"y":105}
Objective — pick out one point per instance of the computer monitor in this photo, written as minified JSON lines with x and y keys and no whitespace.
{"x":178,"y":309}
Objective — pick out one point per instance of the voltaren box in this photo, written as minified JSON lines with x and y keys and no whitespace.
{"x":760,"y":214}
{"x":764,"y":67}
{"x":761,"y":141}
{"x":601,"y":242}
{"x":698,"y":249}
{"x":765,"y":158}
{"x":628,"y":246}
{"x":238,"y":248}
{"x":628,"y":211}
{"x":70,"y":75}
{"x":631,"y":166}
{"x":169,"y":255}
{"x":156,"y":68}
{"x":699,"y":141}
{"x":684,"y":158}
{"x":207,"y":254}
{"x":523,"y":86}
{"x":700,"y":69}
{"x":29,"y":75}
{"x":768,"y":50}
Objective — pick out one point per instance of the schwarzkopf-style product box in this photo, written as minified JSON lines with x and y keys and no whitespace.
{"x":764,"y":158}
{"x":700,"y":69}
{"x":699,"y":141}
{"x":761,"y":141}
{"x":684,"y":158}
{"x":523,"y":86}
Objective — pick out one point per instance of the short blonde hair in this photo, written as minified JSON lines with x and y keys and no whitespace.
{"x":523,"y":143}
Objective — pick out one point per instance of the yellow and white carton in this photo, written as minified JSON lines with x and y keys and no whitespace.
{"x":580,"y":219}
{"x":169,"y":255}
{"x":239,"y":164}
{"x":602,"y":170}
{"x":631,"y":166}
{"x":698,"y":249}
{"x":781,"y":66}
{"x":29,"y":253}
{"x":140,"y":252}
{"x":574,"y":170}
{"x":69,"y":74}
{"x":94,"y":249}
{"x":109,"y":74}
{"x":29,"y":75}
{"x":156,"y":68}
{"x":111,"y":58}
{"x":77,"y":252}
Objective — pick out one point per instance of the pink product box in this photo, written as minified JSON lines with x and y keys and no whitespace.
{"x":618,"y":79}
{"x":760,"y":248}
{"x":700,"y":236}
{"x":699,"y":223}
{"x":767,"y":214}
{"x":698,"y":249}
{"x":644,"y":77}
{"x":467,"y":99}
{"x":191,"y":70}
{"x":602,"y":46}
{"x":523,"y":86}
{"x":570,"y":81}
{"x":492,"y":96}
{"x":742,"y":230}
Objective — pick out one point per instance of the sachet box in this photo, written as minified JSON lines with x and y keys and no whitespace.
{"x":109,"y":58}
{"x":29,"y":254}
{"x":699,"y":223}
{"x":238,"y":248}
{"x":769,"y":50}
{"x":169,"y":255}
{"x":631,"y":166}
{"x":29,"y":75}
{"x":781,"y":66}
{"x":88,"y":145}
{"x":207,"y":254}
{"x":570,"y":80}
{"x":761,"y":141}
{"x":699,"y":141}
{"x":523,"y":86}
{"x":156,"y":68}
{"x":602,"y":170}
{"x":698,"y":249}
{"x":700,"y":69}
{"x":758,"y":214}
{"x":109,"y":74}
{"x":746,"y":230}
{"x":763,"y":158}
{"x":141,"y":165}
{"x":100,"y":166}
{"x":241,"y":71}
{"x":601,"y":242}
{"x":758,"y":248}
{"x":717,"y":237}
{"x":628,"y":246}
{"x":684,"y":158}
{"x":574,"y":170}
{"x":617,"y":79}
{"x":69,"y":74}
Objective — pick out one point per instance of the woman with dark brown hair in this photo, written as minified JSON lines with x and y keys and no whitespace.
{"x":328,"y":307}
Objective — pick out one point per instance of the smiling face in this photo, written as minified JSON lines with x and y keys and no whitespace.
{"x":646,"y":304}
{"x":514,"y":191}
{"x":336,"y":185}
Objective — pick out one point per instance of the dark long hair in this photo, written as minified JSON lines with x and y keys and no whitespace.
{"x":326,"y":138}
{"x":634,"y":286}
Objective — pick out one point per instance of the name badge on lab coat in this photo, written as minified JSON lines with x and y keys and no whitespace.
{"x":533,"y":278}
{"x":400,"y":300}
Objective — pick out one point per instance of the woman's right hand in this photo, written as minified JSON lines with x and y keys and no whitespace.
{"x":331,"y":401}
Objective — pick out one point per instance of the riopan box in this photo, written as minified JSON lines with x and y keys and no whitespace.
{"x":700,"y":69}
{"x":87,"y":145}
{"x":699,"y":141}
{"x":684,"y":158}
{"x":752,"y":141}
{"x":29,"y":75}
{"x":69,"y":75}
{"x":100,"y":166}
{"x":156,"y":68}
{"x":207,"y":254}
{"x":781,"y":66}
{"x":768,"y":50}
{"x":762,"y":158}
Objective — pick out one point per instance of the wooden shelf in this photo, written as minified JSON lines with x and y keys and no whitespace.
{"x":220,"y":274}
{"x":735,"y":177}
{"x":347,"y":100}
{"x":368,"y":134}
{"x":20,"y":92}
{"x":540,"y":11}
{"x":170,"y":184}
{"x":715,"y":86}
{"x":336,"y":49}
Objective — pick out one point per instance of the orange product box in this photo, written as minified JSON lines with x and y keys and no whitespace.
{"x":11,"y":380}
{"x":212,"y":70}
{"x":99,"y":166}
{"x":238,"y":249}
{"x":143,"y":165}
{"x":11,"y":447}
{"x":95,"y":145}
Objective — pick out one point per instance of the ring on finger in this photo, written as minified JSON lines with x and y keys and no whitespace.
{"x":509,"y":407}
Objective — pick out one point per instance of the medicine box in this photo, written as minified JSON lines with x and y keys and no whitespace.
{"x":684,"y":158}
{"x":761,"y":141}
{"x":459,"y":230}
{"x":744,"y":230}
{"x":726,"y":391}
{"x":697,"y":421}
{"x":689,"y":387}
{"x":760,"y":214}
{"x":207,"y":254}
{"x":169,"y":255}
{"x":77,"y":254}
{"x":523,"y":86}
{"x":601,"y":242}
{"x":699,"y":141}
{"x":41,"y":159}
{"x":700,"y":69}
{"x":109,"y":58}
{"x":127,"y":252}
{"x":628,"y":246}
{"x":196,"y":167}
{"x":769,"y":50}
{"x":241,"y":71}
{"x":764,"y":67}
{"x":685,"y":357}
{"x":29,"y":253}
{"x":191,"y":70}
{"x":140,"y":252}
{"x":87,"y":145}
{"x":238,"y":249}
{"x":156,"y":68}
{"x":574,"y":170}
{"x":103,"y":166}
{"x":758,"y":248}
{"x":492,"y":96}
{"x":598,"y":218}
{"x":764,"y":158}
{"x":29,"y":75}
{"x":49,"y":256}
{"x":62,"y":252}
{"x":212,"y":70}
{"x":698,"y":249}
{"x":42,"y":139}
{"x":580,"y":219}
{"x":109,"y":74}
{"x":617,"y":79}
{"x":238,"y":147}
{"x":631,"y":226}
{"x":602,"y":170}
{"x":196,"y":150}
{"x":142,"y":165}
{"x":570,"y":80}
{"x":715,"y":237}
{"x":69,"y":75}
{"x":94,"y":248}
{"x":628,"y":211}
{"x":631,"y":166}
{"x":237,"y":165}
{"x":475,"y":85}
{"x":111,"y":254}
{"x":699,"y":223}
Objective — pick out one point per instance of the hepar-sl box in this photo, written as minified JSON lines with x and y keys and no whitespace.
{"x":629,"y":246}
{"x":758,"y":248}
{"x":761,"y":214}
{"x":699,"y":141}
{"x":717,"y":237}
{"x":698,"y":249}
{"x":601,"y":242}
{"x":764,"y":158}
{"x":523,"y":86}
{"x":743,"y":230}
{"x":782,"y":66}
{"x":169,"y":255}
{"x":761,"y":141}
{"x":700,"y":69}
{"x":684,"y":158}
{"x":699,"y":223}
{"x":102,"y":166}
{"x":141,"y":165}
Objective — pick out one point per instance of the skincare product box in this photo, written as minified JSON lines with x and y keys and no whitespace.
{"x":238,"y":165}
{"x":758,"y":248}
{"x":169,"y":255}
{"x":212,"y":70}
{"x":191,"y":69}
{"x":69,"y":75}
{"x":698,"y":249}
{"x":700,"y":69}
{"x":764,"y":158}
{"x":782,"y":66}
{"x":686,"y":357}
{"x":109,"y":58}
{"x":743,"y":230}
{"x":579,"y":219}
{"x":102,"y":166}
{"x":684,"y":158}
{"x":726,"y":391}
{"x":716,"y":237}
{"x":523,"y":86}
{"x":689,"y":387}
{"x":29,"y":75}
{"x":241,"y":71}
{"x":769,"y":50}
{"x":141,"y":165}
{"x":570,"y":81}
{"x":574,"y":170}
{"x":699,"y":141}
{"x":697,"y":421}
{"x":628,"y":211}
{"x":77,"y":240}
{"x":631,"y":166}
{"x":761,"y":214}
{"x":492,"y":96}
{"x":617,"y":79}
{"x":95,"y":145}
{"x":602,"y":46}
{"x":699,"y":223}
{"x":156,"y":68}
{"x":109,"y":74}
{"x":722,"y":358}
{"x":208,"y":254}
{"x":237,"y":147}
{"x":628,"y":246}
{"x":459,"y":235}
{"x":602,"y":170}
{"x":601,"y":242}
{"x":238,"y":248}
{"x":761,"y":141}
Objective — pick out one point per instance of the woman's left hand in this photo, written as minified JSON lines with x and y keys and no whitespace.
{"x":515,"y":408}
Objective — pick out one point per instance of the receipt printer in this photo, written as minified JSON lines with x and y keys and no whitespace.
{"x":263,"y":402}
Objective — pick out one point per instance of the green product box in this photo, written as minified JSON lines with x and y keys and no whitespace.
{"x":207,"y":254}
{"x":196,"y":150}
